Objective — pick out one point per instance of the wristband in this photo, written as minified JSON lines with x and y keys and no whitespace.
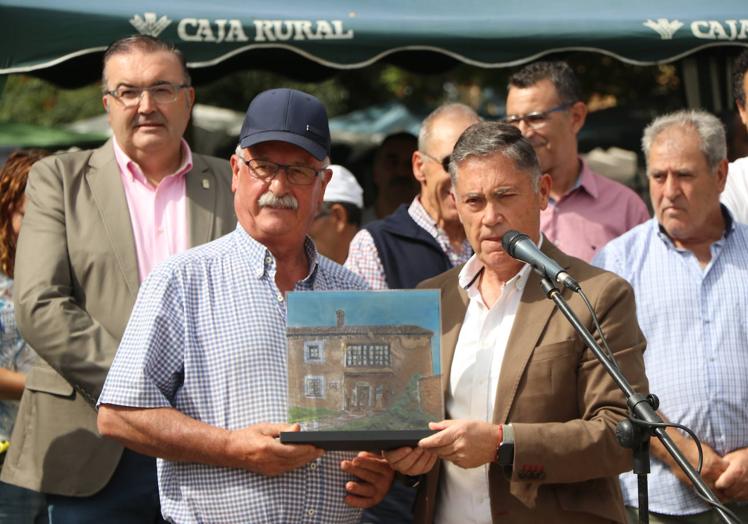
{"x":505,"y":449}
{"x":499,"y":440}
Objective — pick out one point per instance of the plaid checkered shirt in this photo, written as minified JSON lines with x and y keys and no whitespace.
{"x":363,"y":257}
{"x":208,"y":337}
{"x":696,"y":324}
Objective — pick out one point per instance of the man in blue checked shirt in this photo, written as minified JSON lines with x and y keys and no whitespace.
{"x":200,"y":377}
{"x":689,"y":269}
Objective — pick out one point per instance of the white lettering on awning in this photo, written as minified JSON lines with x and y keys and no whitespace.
{"x":720,"y":30}
{"x":203,"y":30}
{"x":284,"y":30}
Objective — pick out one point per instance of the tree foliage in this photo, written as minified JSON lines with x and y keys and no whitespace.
{"x":29,"y":100}
{"x":606,"y":83}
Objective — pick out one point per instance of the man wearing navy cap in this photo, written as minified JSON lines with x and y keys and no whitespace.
{"x":200,"y":377}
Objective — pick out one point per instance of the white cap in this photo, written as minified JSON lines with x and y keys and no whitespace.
{"x":343,"y":187}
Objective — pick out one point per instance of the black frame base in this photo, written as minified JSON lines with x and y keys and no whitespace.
{"x":357,"y":440}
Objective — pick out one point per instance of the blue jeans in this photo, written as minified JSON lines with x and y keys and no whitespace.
{"x":21,"y":505}
{"x":130,"y":497}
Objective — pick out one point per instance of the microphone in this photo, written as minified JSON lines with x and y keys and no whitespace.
{"x":519,"y":246}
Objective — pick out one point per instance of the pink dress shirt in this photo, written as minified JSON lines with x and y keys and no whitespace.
{"x":158,"y":214}
{"x":595,"y":211}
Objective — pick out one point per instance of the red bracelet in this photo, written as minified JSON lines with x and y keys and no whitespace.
{"x":498,"y":443}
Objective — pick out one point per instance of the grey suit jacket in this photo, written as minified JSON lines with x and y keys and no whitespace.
{"x":76,"y":280}
{"x":562,"y":404}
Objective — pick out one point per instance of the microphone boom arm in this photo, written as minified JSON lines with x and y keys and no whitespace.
{"x":639,"y":405}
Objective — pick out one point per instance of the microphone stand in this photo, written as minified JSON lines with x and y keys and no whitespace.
{"x":640,"y":407}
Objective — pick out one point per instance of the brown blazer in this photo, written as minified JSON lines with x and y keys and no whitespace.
{"x":76,"y":280}
{"x":562,"y":404}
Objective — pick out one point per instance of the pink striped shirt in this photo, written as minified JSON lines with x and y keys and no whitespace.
{"x":158,"y":214}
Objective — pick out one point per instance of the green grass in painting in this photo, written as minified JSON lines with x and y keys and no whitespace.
{"x":298,"y":414}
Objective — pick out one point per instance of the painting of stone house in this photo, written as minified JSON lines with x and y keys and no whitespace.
{"x":363,"y":375}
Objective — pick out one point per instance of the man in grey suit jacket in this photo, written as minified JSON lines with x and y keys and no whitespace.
{"x":529,"y":435}
{"x":96,"y":223}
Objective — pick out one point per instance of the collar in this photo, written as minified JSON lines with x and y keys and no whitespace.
{"x":729,"y":228}
{"x":262,"y":262}
{"x":585,"y":180}
{"x":131,"y":168}
{"x":419,"y":214}
{"x":729,"y":220}
{"x":474,"y":268}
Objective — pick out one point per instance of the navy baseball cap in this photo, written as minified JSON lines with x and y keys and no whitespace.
{"x":287,"y":115}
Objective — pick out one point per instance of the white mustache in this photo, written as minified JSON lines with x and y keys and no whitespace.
{"x":268,"y":199}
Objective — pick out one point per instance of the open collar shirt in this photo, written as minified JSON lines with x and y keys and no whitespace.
{"x":696,"y":323}
{"x":363,"y":257}
{"x":593,"y":212}
{"x":208,"y":337}
{"x":158,"y":214}
{"x":473,"y":382}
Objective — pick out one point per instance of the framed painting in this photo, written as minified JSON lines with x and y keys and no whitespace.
{"x":364,"y":368}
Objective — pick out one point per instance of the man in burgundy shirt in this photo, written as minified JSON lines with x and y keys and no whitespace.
{"x":585,"y":210}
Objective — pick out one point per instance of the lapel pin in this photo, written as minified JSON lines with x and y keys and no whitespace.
{"x":206,"y":183}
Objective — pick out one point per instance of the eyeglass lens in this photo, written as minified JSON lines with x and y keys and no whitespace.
{"x":265,"y":169}
{"x":161,"y":94}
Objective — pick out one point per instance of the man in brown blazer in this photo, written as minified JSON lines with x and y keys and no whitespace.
{"x":531,"y":413}
{"x":96,"y":223}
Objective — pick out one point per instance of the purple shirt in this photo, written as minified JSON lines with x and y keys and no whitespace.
{"x":158,"y":214}
{"x":595,"y":211}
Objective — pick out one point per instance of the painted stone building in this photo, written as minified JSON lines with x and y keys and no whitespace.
{"x":360,"y":370}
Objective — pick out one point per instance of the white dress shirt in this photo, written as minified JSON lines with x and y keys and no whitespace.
{"x":473,"y":379}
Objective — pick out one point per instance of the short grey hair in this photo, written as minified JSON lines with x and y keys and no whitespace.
{"x":709,"y":128}
{"x":485,"y":139}
{"x":452,"y":109}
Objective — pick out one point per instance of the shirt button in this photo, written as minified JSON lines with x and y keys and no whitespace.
{"x":310,"y":512}
{"x":268,"y":259}
{"x":280,"y":297}
{"x":313,"y":466}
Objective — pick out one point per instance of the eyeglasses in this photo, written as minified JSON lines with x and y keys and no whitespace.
{"x":444,"y":162}
{"x":266,"y":170}
{"x":130,"y":96}
{"x":536,"y":119}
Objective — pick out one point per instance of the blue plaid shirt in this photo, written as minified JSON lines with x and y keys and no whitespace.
{"x":696,"y":324}
{"x":207,"y":336}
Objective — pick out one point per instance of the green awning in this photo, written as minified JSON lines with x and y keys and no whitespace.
{"x":64,"y":39}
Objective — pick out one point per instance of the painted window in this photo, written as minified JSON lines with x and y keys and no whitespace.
{"x":314,"y":386}
{"x":367,"y":355}
{"x":314,"y":351}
